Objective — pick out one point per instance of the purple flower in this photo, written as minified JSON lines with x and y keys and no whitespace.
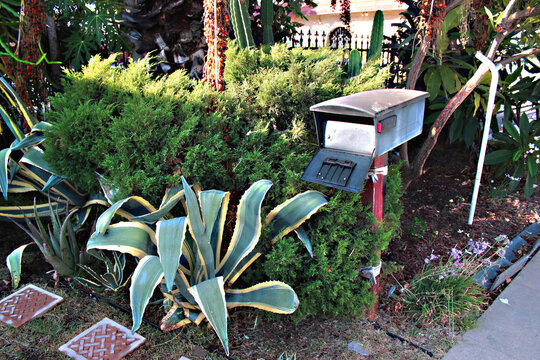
{"x":456,"y":254}
{"x":431,"y":257}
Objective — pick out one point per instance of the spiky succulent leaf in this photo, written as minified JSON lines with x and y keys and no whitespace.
{"x":127,"y":237}
{"x":170,"y":238}
{"x":13,"y":261}
{"x":247,"y":229}
{"x":273,"y":296}
{"x":174,"y":319}
{"x":146,"y":277}
{"x":214,"y":209}
{"x":204,"y":264}
{"x":210,"y":295}
{"x":303,"y":236}
{"x":4,"y":175}
{"x":293,"y":212}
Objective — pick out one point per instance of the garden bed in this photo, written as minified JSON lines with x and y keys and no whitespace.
{"x":435,"y":219}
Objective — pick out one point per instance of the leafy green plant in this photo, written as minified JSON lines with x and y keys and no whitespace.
{"x":518,"y":153}
{"x":259,"y":127}
{"x":417,"y":227}
{"x":446,"y":291}
{"x":113,"y":279}
{"x":57,"y":242}
{"x":195,"y":278}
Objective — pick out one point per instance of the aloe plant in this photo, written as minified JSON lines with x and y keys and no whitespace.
{"x":57,"y":242}
{"x":194,"y":277}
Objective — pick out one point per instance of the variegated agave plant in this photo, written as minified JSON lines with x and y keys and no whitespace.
{"x":195,"y":278}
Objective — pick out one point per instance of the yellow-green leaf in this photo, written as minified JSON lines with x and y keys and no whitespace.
{"x":170,"y":238}
{"x":210,"y":295}
{"x":146,"y":277}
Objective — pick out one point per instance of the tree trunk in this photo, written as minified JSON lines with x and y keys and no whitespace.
{"x":54,"y":52}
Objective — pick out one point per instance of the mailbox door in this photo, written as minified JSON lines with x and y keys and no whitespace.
{"x":338,"y":169}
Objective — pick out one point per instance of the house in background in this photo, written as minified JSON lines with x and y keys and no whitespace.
{"x":325,"y":20}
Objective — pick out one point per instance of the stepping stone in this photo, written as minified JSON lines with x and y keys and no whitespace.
{"x":106,"y":340}
{"x":27,"y":303}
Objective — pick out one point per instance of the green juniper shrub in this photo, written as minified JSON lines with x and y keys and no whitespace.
{"x":143,"y":134}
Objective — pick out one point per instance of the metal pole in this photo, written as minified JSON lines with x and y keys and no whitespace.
{"x":489,"y":113}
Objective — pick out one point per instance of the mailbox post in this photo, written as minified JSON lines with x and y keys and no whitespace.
{"x":354,"y":134}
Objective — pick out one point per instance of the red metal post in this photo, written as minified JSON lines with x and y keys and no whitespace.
{"x":373,"y":195}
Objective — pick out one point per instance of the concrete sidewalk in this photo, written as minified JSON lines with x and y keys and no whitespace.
{"x":510,"y":328}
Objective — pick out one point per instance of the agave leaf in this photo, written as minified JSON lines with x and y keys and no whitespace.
{"x":92,"y":273}
{"x":146,"y":277}
{"x":14,"y":99}
{"x":214,"y":205}
{"x":204,"y":263}
{"x":17,"y":213}
{"x":174,"y":319}
{"x":35,"y":168}
{"x":109,"y":190}
{"x":170,"y":238}
{"x":29,"y":140}
{"x":195,"y":316}
{"x":12,"y":125}
{"x":210,"y":295}
{"x":53,"y":181}
{"x":303,"y":236}
{"x":242,"y":266}
{"x":171,"y":198}
{"x":131,"y":206}
{"x":293,"y":212}
{"x":273,"y":296}
{"x":4,"y":161}
{"x":14,"y":260}
{"x":127,"y":237}
{"x":14,"y":168}
{"x":248,"y":227}
{"x":182,"y":284}
{"x":19,"y":184}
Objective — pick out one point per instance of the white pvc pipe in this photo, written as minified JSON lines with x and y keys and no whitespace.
{"x":487,"y":124}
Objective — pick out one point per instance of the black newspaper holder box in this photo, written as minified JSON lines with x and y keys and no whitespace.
{"x":353,"y":130}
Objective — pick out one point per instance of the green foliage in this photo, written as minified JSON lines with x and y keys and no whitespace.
{"x":86,"y":28}
{"x":447,"y":292}
{"x":518,"y":153}
{"x":372,"y":76}
{"x":128,"y":133}
{"x":259,"y":127}
{"x":343,"y":242}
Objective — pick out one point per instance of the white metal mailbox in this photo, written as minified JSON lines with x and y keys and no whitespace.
{"x":353,"y":130}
